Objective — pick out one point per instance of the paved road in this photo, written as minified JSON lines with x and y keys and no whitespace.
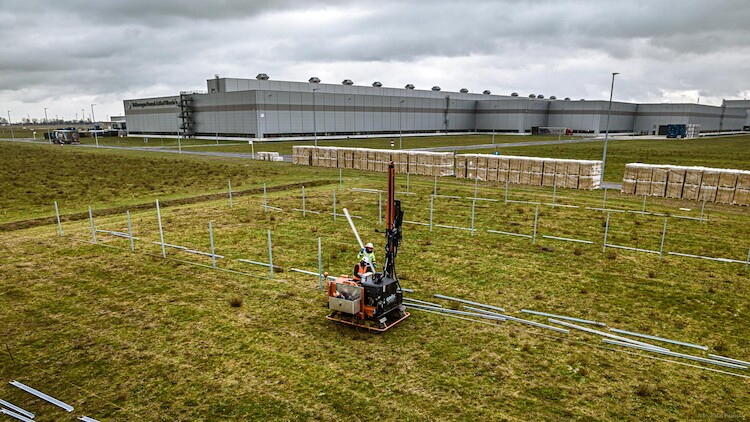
{"x":510,"y":144}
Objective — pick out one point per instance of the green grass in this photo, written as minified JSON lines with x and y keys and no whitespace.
{"x":729,"y":152}
{"x":34,"y":176}
{"x":125,"y":336}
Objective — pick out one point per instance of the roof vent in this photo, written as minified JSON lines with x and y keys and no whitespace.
{"x":377,"y":84}
{"x":567,"y":98}
{"x":314,"y":80}
{"x":514,"y":94}
{"x":583,"y":99}
{"x":532,"y":96}
{"x":436,"y":88}
{"x":552,"y":97}
{"x":262,"y":77}
{"x":540,"y":96}
{"x":487,"y":92}
{"x":464,"y":91}
{"x":409,"y":86}
{"x":347,"y":82}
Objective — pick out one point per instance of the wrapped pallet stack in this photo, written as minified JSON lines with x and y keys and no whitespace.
{"x":411,"y":162}
{"x":727,"y":186}
{"x":268,"y":156}
{"x":531,"y":171}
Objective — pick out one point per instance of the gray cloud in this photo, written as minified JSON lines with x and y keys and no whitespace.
{"x":66,"y":55}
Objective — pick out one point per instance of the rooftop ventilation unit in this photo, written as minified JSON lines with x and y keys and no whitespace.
{"x":532,"y":96}
{"x":540,"y":96}
{"x":487,"y":92}
{"x":436,"y":88}
{"x":409,"y":86}
{"x":552,"y":97}
{"x":262,"y":77}
{"x":377,"y":84}
{"x":514,"y":94}
{"x":567,"y":98}
{"x":464,"y":91}
{"x":347,"y":82}
{"x":583,"y":99}
{"x":314,"y":80}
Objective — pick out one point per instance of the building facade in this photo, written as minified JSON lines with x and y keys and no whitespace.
{"x":262,"y":108}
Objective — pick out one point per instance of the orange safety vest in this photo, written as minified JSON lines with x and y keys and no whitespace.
{"x":359,"y":269}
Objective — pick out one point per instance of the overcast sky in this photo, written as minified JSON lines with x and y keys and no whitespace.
{"x":66,"y":55}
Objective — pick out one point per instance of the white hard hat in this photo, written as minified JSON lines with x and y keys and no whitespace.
{"x":366,"y":259}
{"x":369,"y":245}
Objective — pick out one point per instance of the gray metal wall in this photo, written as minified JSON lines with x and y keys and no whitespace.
{"x":253,"y":108}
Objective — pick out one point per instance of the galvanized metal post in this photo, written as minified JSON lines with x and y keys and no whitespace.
{"x":432,"y":198}
{"x":747,"y":261}
{"x":536,"y":221}
{"x":643,"y":212}
{"x":230,"y":194}
{"x":270,"y":254}
{"x":161,"y":232}
{"x":380,"y":208}
{"x":407,"y":182}
{"x":554,"y":191}
{"x":663,"y":235}
{"x":211,"y":236}
{"x":341,"y":179}
{"x":130,"y":231}
{"x":304,"y":210}
{"x":93,"y":230}
{"x":434,"y":187}
{"x":320,"y":266}
{"x":606,"y":230}
{"x":604,"y":202}
{"x":703,"y":207}
{"x":57,"y":213}
{"x":265,"y":199}
{"x":506,"y":186}
{"x":473,"y":205}
{"x":476,"y":181}
{"x":334,"y":205}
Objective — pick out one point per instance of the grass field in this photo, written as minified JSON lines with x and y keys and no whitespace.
{"x":128,"y":335}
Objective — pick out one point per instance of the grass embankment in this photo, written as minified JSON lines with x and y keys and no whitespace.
{"x":34,"y":176}
{"x":730,"y":152}
{"x":126,"y":336}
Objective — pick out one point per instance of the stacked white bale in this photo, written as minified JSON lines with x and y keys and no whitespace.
{"x":643,"y":179}
{"x":462,"y":161}
{"x":493,"y":163}
{"x":630,"y":178}
{"x":590,"y":174}
{"x":659,"y":176}
{"x":514,"y":171}
{"x":709,"y":184}
{"x":549,"y":172}
{"x":692,"y":188}
{"x":727,"y":186}
{"x":446,"y":164}
{"x":503,"y":168}
{"x":573,"y":170}
{"x":742,"y":191}
{"x":675,"y":181}
{"x":524,"y":176}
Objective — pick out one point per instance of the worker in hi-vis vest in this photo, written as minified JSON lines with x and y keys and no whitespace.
{"x":368,"y":252}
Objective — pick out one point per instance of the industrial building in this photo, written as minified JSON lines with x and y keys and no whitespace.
{"x":263,"y":108}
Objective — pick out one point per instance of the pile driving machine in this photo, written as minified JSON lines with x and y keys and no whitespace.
{"x":375,"y":302}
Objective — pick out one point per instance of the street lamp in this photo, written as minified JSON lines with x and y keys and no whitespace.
{"x":494,"y":126}
{"x":315,"y":119}
{"x":93,"y":121}
{"x":400,"y":137}
{"x":12,"y":136}
{"x":606,"y":133}
{"x":46,"y":123}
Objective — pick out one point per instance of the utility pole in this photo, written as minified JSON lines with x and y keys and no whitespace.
{"x":606,"y":133}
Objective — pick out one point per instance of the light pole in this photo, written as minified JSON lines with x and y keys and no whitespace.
{"x":315,"y":119}
{"x":93,"y":121}
{"x":400,"y":137}
{"x":12,"y":136}
{"x":494,"y":126}
{"x":46,"y":123}
{"x":606,"y":132}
